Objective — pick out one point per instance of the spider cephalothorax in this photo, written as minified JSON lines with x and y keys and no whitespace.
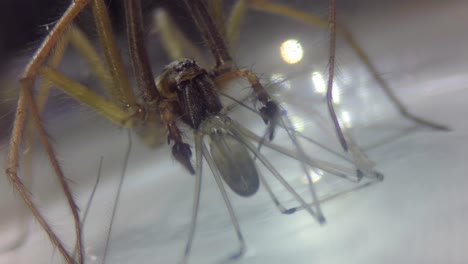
{"x":196,"y":92}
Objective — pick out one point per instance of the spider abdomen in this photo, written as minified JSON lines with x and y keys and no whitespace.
{"x":234,"y":163}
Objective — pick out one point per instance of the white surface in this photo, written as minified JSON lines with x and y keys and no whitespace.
{"x":417,"y":215}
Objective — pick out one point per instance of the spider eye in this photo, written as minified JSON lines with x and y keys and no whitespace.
{"x":184,"y":65}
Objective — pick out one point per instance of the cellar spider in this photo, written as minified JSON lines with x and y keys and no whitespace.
{"x":174,"y":98}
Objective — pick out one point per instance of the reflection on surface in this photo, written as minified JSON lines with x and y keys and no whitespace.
{"x":336,"y":93}
{"x":320,"y":87}
{"x":291,"y":51}
{"x":316,"y":175}
{"x":280,"y":79}
{"x":346,"y":119}
{"x":318,"y":82}
{"x":297,"y":123}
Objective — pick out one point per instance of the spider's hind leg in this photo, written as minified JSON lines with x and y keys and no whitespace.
{"x":341,"y":31}
{"x":26,"y":99}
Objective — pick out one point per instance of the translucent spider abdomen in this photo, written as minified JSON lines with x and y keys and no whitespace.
{"x":234,"y":163}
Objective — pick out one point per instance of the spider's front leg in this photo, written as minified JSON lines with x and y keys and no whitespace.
{"x":154,"y":99}
{"x":225,"y":69}
{"x":212,"y":33}
{"x":269,"y":109}
{"x":180,"y":150}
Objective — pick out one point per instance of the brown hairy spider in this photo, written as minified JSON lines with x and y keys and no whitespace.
{"x":185,"y":90}
{"x":190,"y":92}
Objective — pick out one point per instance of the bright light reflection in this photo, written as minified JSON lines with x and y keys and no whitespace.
{"x":297,"y":123}
{"x":346,"y":119}
{"x":280,"y":79}
{"x":321,"y":88}
{"x":90,"y":255}
{"x":291,"y":51}
{"x":336,"y":94}
{"x":319,"y":83}
{"x":316,"y":175}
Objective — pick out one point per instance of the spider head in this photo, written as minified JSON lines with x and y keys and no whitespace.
{"x":183,"y":65}
{"x":185,"y":70}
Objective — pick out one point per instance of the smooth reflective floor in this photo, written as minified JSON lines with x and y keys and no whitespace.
{"x":416,"y":215}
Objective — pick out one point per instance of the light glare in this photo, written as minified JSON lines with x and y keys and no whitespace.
{"x":346,"y":119}
{"x":297,"y":123}
{"x":319,"y":83}
{"x":316,"y":175}
{"x":291,"y":51}
{"x":321,"y":88}
{"x":336,"y":94}
{"x":280,"y":79}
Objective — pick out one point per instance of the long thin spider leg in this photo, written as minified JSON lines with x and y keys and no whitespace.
{"x":287,"y":123}
{"x":93,"y":192}
{"x":317,"y":215}
{"x":83,"y":45}
{"x":273,"y":197}
{"x":360,"y":160}
{"x":143,"y":74}
{"x":29,"y":73}
{"x":42,"y":96}
{"x":291,"y":128}
{"x":85,"y":96}
{"x":331,"y":197}
{"x":117,"y":196}
{"x":53,"y":62}
{"x":269,"y":110}
{"x":320,"y":201}
{"x":12,"y":174}
{"x":267,"y":185}
{"x":320,"y":120}
{"x":384,"y":84}
{"x":334,"y":169}
{"x":215,"y":8}
{"x":91,"y":198}
{"x":123,"y":93}
{"x":310,"y":19}
{"x":211,"y":34}
{"x":175,"y":43}
{"x":180,"y":150}
{"x":199,"y":152}
{"x":57,"y":169}
{"x":232,"y":215}
{"x":331,"y":72}
{"x":234,"y":21}
{"x":27,"y":80}
{"x":332,"y":29}
{"x":139,"y":55}
{"x":146,"y":124}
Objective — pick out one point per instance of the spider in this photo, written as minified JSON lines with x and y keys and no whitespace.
{"x":184,"y":91}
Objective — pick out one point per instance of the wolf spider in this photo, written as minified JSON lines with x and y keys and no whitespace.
{"x":183,"y":91}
